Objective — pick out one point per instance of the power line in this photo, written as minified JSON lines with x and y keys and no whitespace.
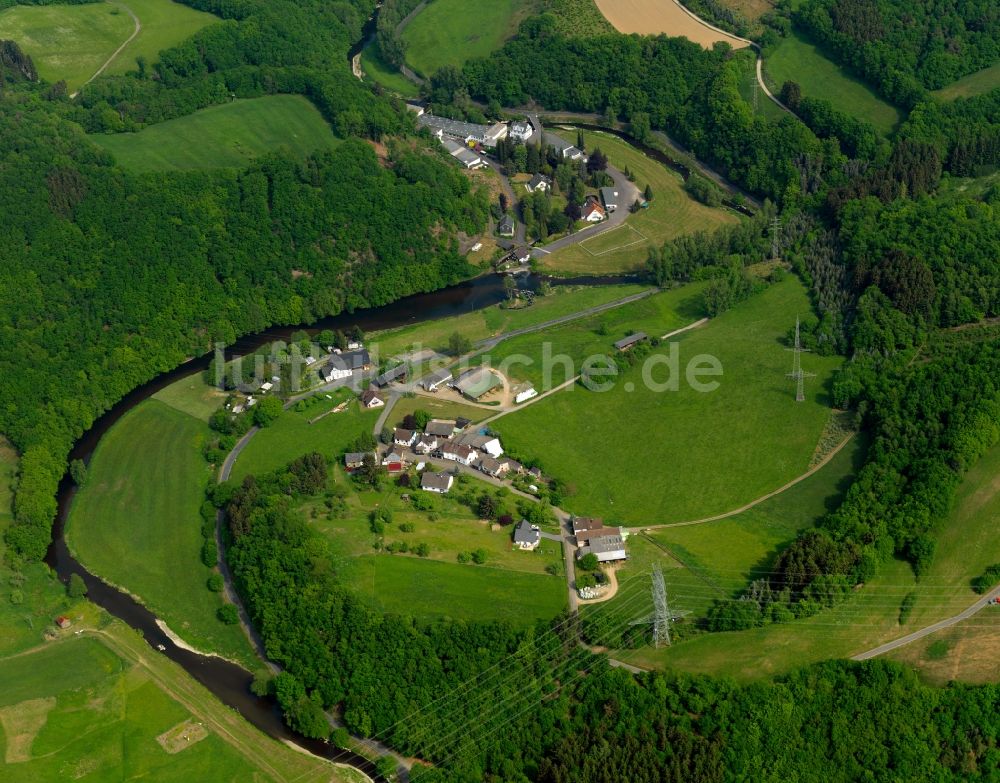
{"x":798,"y":374}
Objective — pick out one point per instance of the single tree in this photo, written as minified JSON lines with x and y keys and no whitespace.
{"x":76,"y":588}
{"x":589,"y":562}
{"x":266,"y":411}
{"x":648,"y":193}
{"x":459,"y":344}
{"x":78,"y":472}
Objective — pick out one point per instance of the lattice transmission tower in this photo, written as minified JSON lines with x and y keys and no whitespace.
{"x":798,"y":374}
{"x":775,"y":237}
{"x":661,"y":612}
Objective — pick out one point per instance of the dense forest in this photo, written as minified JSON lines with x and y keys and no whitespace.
{"x":485,"y":702}
{"x":113,"y":277}
{"x":903,"y":47}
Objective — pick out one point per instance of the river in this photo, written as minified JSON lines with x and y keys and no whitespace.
{"x":228,"y":681}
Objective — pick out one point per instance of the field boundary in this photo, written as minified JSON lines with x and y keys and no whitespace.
{"x":644,"y":238}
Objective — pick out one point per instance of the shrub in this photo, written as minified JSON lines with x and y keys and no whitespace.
{"x":906,"y":608}
{"x":76,"y":587}
{"x":228,"y":614}
{"x":589,"y":562}
{"x":982,"y":583}
{"x":216,"y":583}
{"x":479,"y":556}
{"x":209,"y":553}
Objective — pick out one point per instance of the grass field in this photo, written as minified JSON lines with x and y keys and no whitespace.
{"x":86,"y":708}
{"x":966,"y":545}
{"x":72,"y":42}
{"x":491,"y":321}
{"x":972,"y":187}
{"x":671,"y":213}
{"x":193,"y":396}
{"x":642,"y":457}
{"x":974,"y":84}
{"x":136,"y":521}
{"x":767,"y":108}
{"x":381,"y":72}
{"x":510,"y":585}
{"x":450,"y":32}
{"x":229,"y":135}
{"x":292,"y":436}
{"x":800,"y":61}
{"x":438,"y":408}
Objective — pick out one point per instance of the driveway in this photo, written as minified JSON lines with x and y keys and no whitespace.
{"x":627,"y":194}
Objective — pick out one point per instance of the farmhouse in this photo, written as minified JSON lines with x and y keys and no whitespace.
{"x":526,"y":535}
{"x":610,"y":198}
{"x":586,"y":536}
{"x":343,"y":365}
{"x":607,"y":549}
{"x":370,"y":399}
{"x":477,"y":383}
{"x":440,"y":428}
{"x":397,"y":373}
{"x":581,"y":524}
{"x":435,"y":379}
{"x":539,"y":182}
{"x":456,"y":452}
{"x":486,"y":443}
{"x":520,"y":131}
{"x":436,"y":482}
{"x":404,"y":437}
{"x":592,"y":211}
{"x":505,"y":227}
{"x":627,"y":342}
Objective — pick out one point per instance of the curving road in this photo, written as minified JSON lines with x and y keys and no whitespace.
{"x":979,"y":605}
{"x":135,"y":32}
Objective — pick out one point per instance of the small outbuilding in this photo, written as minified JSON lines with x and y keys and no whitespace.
{"x":627,"y":342}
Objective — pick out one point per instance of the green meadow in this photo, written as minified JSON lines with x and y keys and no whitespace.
{"x":292,"y":435}
{"x":974,"y":84}
{"x":449,"y":32}
{"x":86,"y":708}
{"x":966,"y":546}
{"x":496,"y":320}
{"x":671,"y":213}
{"x":642,"y":457}
{"x":796,"y":59}
{"x":72,"y":42}
{"x":230,"y":135}
{"x":136,"y":521}
{"x":381,"y":72}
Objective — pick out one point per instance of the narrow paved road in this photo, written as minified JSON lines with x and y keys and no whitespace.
{"x":982,"y":603}
{"x":389,"y":404}
{"x":512,"y":199}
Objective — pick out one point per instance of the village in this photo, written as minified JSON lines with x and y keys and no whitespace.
{"x":585,"y":195}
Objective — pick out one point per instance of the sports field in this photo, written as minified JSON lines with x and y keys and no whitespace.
{"x":670,"y":214}
{"x":871,"y":616}
{"x":72,"y":42}
{"x":229,"y":135}
{"x":643,"y":457}
{"x":974,"y":84}
{"x":652,"y":17}
{"x":796,"y":59}
{"x":292,"y":435}
{"x":136,"y":522}
{"x":449,"y":32}
{"x":103,"y":706}
{"x":378,"y":70}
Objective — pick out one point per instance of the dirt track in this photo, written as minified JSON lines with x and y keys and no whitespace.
{"x":651,"y":17}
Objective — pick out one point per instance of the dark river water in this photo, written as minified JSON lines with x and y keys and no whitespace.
{"x":228,"y":681}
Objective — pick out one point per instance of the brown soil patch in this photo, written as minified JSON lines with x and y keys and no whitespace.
{"x":21,"y":724}
{"x":652,"y":17}
{"x":182,"y":736}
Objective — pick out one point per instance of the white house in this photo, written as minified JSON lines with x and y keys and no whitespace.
{"x":426,"y":444}
{"x":436,"y":379}
{"x":539,"y":182}
{"x":403,"y":437}
{"x":526,"y":535}
{"x":610,"y":198}
{"x":520,"y":131}
{"x":592,"y":211}
{"x":370,"y":400}
{"x":456,"y":452}
{"x":436,"y":482}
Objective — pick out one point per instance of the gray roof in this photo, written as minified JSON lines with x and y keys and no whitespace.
{"x":609,"y":196}
{"x":390,"y":375}
{"x":351,"y":360}
{"x":435,"y":480}
{"x":439,"y":427}
{"x":489,"y":465}
{"x":607,"y":545}
{"x":456,"y":128}
{"x":435,"y":378}
{"x":525,"y":534}
{"x":632,"y":339}
{"x":467,"y":157}
{"x":355,"y":457}
{"x":506,"y":225}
